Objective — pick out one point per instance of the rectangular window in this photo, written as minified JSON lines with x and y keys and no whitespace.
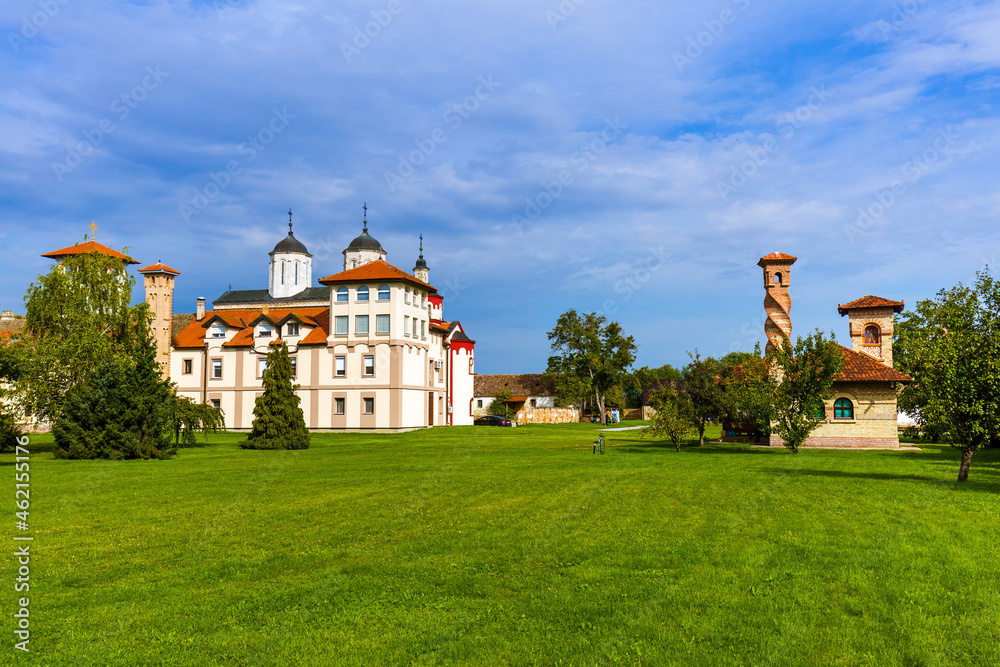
{"x":338,"y":406}
{"x":293,"y":328}
{"x":188,"y":364}
{"x":340,"y":368}
{"x":415,"y":327}
{"x":534,"y":403}
{"x":341,"y":324}
{"x":369,"y":406}
{"x":265,"y":331}
{"x":406,"y":325}
{"x":479,"y":403}
{"x":217,"y":404}
{"x":423,"y":329}
{"x":261,"y":366}
{"x":381,"y":324}
{"x":294,"y":366}
{"x":369,"y":365}
{"x":218,"y":331}
{"x":361,"y":324}
{"x":216,"y":369}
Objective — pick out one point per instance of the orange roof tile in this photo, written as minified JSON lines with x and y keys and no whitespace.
{"x":774,"y":257}
{"x":193,"y":335}
{"x":373,"y":271}
{"x":871,"y":302}
{"x":88,"y":247}
{"x":158,"y":268}
{"x":862,"y":368}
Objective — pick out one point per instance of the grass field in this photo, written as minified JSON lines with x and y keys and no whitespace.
{"x":481,"y":546}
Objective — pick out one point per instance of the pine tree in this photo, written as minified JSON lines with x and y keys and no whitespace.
{"x":277,"y":418}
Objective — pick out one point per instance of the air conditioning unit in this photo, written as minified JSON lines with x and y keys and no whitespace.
{"x":437,"y":364}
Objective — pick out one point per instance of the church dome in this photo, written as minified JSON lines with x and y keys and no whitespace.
{"x":365,"y":242}
{"x":290,"y":244}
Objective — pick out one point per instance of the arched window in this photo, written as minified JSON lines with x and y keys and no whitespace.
{"x":296,"y":273}
{"x":843,"y":408}
{"x":363,"y":293}
{"x":777,"y":278}
{"x":383,"y":292}
{"x":872,"y":335}
{"x":820,"y":410}
{"x":406,"y":295}
{"x":342,"y":295}
{"x":282,"y":272}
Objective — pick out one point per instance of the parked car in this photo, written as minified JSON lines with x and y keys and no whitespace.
{"x":493,"y":420}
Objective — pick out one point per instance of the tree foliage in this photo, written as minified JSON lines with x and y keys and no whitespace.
{"x":571,"y":389}
{"x":10,"y":372}
{"x":77,"y":315}
{"x":950,"y":346}
{"x":187,"y":417}
{"x":701,"y":378}
{"x":278,"y":422}
{"x":665,"y":372}
{"x":592,"y":349}
{"x":500,"y":407}
{"x":798,"y":383}
{"x":674,"y":415}
{"x":121,"y":411}
{"x":746,"y":391}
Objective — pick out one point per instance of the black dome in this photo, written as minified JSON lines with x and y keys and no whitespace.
{"x":290,"y":244}
{"x":365,"y":242}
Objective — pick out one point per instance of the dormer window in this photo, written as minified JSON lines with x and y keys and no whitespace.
{"x":293,"y":328}
{"x":264,"y":331}
{"x":342,"y":295}
{"x":217,"y":331}
{"x":363,"y":293}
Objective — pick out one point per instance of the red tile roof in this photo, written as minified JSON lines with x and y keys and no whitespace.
{"x":193,"y":335}
{"x":871,"y":302}
{"x":374,"y":271}
{"x":159,"y":268}
{"x":862,"y":368}
{"x":88,"y":247}
{"x":775,"y":257}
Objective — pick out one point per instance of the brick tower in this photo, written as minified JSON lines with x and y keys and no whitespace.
{"x":777,"y":302}
{"x":871,"y":325}
{"x":158,"y":279}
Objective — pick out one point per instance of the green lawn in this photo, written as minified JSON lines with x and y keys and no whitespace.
{"x":484,"y":546}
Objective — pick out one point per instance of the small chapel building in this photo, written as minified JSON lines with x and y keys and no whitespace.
{"x":370,"y":347}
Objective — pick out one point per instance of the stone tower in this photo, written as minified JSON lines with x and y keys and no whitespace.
{"x":420,"y":270}
{"x":777,"y":302}
{"x":871,"y":325}
{"x":158,"y":279}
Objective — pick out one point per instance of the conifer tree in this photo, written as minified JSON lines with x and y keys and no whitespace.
{"x":277,"y":418}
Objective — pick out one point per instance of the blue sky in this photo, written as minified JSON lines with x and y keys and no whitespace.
{"x":634,"y":159}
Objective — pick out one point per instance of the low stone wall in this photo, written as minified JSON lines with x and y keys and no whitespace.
{"x":843,"y":443}
{"x":547,"y":416}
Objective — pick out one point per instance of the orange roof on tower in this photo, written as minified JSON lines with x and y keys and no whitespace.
{"x":159,"y":267}
{"x":89,"y":247}
{"x":776,"y":257}
{"x":377,"y":270}
{"x":871,"y":302}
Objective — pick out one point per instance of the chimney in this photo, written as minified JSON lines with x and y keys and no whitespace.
{"x":200,"y":312}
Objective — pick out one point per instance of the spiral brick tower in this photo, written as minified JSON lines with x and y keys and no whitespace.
{"x":777,"y":302}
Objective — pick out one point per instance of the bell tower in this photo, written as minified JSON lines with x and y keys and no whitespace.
{"x":420,"y":270}
{"x":777,"y":302}
{"x":158,"y":281}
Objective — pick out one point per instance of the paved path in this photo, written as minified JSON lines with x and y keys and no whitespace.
{"x":623,"y":428}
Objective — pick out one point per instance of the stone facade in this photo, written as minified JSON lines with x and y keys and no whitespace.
{"x":547,"y":416}
{"x":158,"y":281}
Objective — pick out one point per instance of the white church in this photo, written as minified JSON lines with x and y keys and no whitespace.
{"x":370,"y":347}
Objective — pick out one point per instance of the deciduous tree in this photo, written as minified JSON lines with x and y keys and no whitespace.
{"x":673,"y":416}
{"x":701,"y":378}
{"x":592,"y":349}
{"x":950,"y":346}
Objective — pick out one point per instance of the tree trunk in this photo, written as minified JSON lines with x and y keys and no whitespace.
{"x":963,"y":472}
{"x":701,"y":433}
{"x":677,"y":444}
